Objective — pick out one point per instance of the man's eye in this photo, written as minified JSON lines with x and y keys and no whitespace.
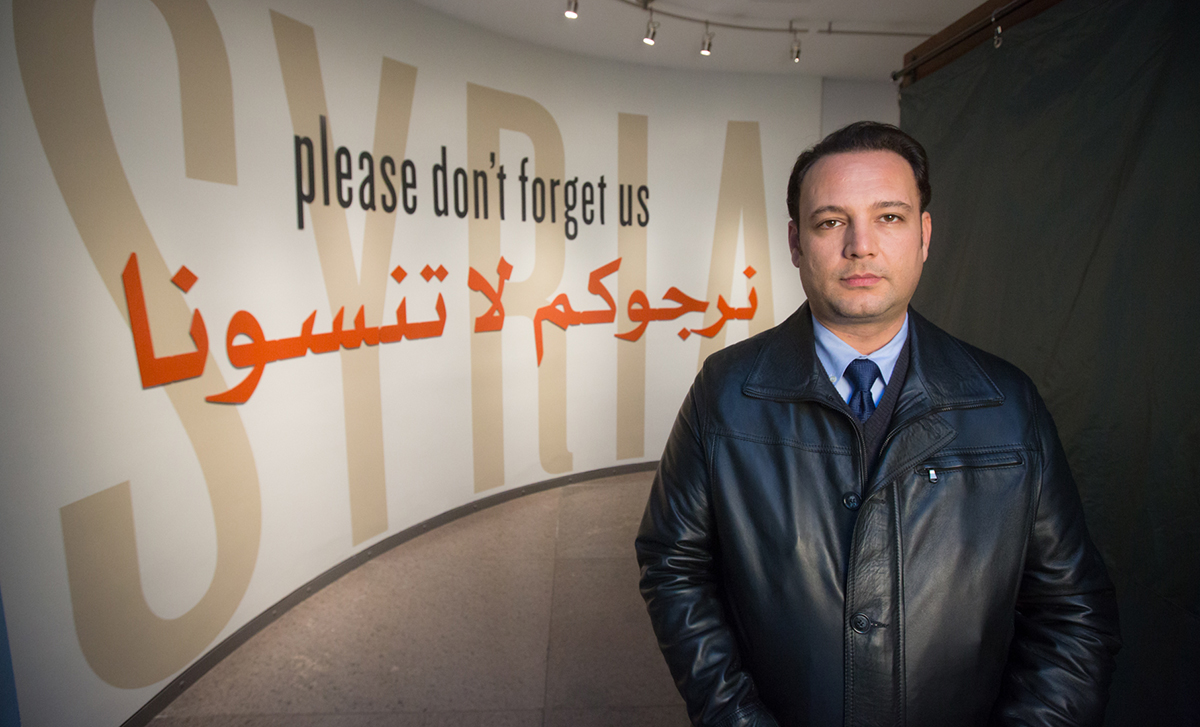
{"x":890,"y":218}
{"x":828,"y":224}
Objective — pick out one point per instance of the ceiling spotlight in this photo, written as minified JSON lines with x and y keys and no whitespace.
{"x":796,"y":51}
{"x":651,"y":30}
{"x":706,"y":42}
{"x":572,"y":9}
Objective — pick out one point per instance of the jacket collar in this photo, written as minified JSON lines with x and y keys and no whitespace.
{"x":942,"y":374}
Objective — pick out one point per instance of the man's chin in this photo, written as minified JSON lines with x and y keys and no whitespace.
{"x":860,"y":311}
{"x":864,"y":313}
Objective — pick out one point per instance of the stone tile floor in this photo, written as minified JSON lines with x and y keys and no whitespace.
{"x":524,"y":614}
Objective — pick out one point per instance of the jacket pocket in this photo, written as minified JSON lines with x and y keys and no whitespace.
{"x":947,"y":463}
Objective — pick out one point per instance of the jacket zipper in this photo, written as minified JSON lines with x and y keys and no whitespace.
{"x":932,"y":472}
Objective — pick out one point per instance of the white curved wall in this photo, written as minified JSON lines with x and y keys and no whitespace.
{"x":141,"y":525}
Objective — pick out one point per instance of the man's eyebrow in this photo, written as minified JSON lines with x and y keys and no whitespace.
{"x":827,"y":208}
{"x":884,"y":204}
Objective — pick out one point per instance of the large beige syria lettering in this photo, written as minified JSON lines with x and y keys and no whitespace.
{"x":297,"y":47}
{"x":489,"y":111}
{"x":742,"y":202}
{"x":124,"y":642}
{"x":632,"y":161}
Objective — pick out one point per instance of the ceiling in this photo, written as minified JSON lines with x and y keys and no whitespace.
{"x":613,"y":29}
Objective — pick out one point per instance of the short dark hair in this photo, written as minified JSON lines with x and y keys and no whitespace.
{"x":861,"y":136}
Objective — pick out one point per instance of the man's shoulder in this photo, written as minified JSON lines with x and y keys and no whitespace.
{"x":733,"y":365}
{"x":943,"y":354}
{"x":738,"y":356}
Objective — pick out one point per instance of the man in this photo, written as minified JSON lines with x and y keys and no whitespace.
{"x":861,"y":520}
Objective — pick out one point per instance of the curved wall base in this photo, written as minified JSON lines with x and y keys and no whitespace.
{"x":210,"y":659}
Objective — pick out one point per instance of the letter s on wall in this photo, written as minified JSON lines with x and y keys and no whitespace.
{"x":124,"y":642}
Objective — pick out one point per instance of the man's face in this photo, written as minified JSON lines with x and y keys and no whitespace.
{"x":861,"y":239}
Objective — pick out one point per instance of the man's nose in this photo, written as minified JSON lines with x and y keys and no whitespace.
{"x":859,"y":240}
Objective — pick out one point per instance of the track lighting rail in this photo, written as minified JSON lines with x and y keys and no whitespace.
{"x":828,"y":30}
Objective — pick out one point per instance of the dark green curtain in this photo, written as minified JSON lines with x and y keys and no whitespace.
{"x":1066,"y":238}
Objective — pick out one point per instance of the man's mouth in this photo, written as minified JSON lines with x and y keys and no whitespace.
{"x":861,"y":280}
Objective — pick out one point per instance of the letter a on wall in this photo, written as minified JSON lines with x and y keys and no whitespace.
{"x":742,"y":203}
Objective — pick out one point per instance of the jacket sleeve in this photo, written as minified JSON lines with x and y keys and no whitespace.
{"x":1066,"y":636}
{"x":676,"y":549}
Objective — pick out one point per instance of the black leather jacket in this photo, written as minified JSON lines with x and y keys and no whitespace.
{"x":963,"y":591}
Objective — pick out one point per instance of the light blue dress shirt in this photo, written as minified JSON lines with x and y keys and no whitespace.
{"x":835,"y":355}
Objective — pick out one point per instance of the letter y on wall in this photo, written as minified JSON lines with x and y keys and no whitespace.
{"x":297,"y":46}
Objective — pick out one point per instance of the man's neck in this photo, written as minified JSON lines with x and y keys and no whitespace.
{"x":866,"y":338}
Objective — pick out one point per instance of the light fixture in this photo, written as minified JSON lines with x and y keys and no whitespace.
{"x":706,"y":42}
{"x":651,"y":30}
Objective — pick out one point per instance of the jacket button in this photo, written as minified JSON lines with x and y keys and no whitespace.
{"x":851,"y":500}
{"x":860,"y":623}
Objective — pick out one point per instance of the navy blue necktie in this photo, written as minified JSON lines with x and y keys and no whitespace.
{"x":861,"y":373}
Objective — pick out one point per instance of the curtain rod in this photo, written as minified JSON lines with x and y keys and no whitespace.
{"x":960,"y":37}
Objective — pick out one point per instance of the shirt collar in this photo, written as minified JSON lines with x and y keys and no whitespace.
{"x":835,"y":354}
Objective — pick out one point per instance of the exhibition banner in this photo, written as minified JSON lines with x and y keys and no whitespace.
{"x":284,"y":278}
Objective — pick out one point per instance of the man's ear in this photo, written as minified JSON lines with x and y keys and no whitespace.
{"x":794,"y":242}
{"x":926,"y":232}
